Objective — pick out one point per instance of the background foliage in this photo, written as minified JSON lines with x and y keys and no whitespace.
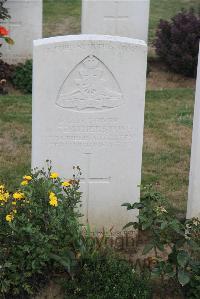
{"x":177,"y":42}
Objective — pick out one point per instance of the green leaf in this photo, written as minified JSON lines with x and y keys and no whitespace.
{"x":130,"y":224}
{"x":164,"y":224}
{"x":148,"y":248}
{"x":182,"y":258}
{"x":156,"y":272}
{"x":183,"y":277}
{"x":160,"y":246}
{"x":62,"y":261}
{"x":146,"y":225}
{"x":169,"y":270}
{"x":127,"y":205}
{"x":137,"y":205}
{"x":9,"y":40}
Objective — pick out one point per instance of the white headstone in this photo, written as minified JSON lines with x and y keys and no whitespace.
{"x":123,"y":17}
{"x":88,"y":110}
{"x":193,"y":205}
{"x":24,"y":26}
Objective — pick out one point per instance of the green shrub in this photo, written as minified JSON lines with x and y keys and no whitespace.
{"x":22,"y":77}
{"x":3,"y":11}
{"x":177,"y":42}
{"x":165,"y":231}
{"x":107,"y":277}
{"x":192,"y":289}
{"x":38,"y":228}
{"x":6,"y":71}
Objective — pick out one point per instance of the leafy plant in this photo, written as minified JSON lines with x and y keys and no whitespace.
{"x":166,"y":232}
{"x":6,"y":71}
{"x":38,"y":230}
{"x":3,"y":11}
{"x":4,"y":33}
{"x":22,"y":76}
{"x":107,"y":277}
{"x":3,"y":37}
{"x":177,"y":42}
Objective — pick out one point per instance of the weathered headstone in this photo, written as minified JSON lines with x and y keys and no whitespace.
{"x":24,"y":26}
{"x":88,"y":110}
{"x":193,"y":205}
{"x":123,"y":17}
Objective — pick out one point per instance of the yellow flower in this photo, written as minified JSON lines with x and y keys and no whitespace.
{"x":51,"y":195}
{"x":54,"y":175}
{"x":4,"y":196}
{"x":53,"y":201}
{"x":27,"y":177}
{"x":2,"y":187}
{"x":9,"y":217}
{"x":18,"y":195}
{"x":15,"y":211}
{"x":13,"y":203}
{"x":66,"y":184}
{"x":24,"y":183}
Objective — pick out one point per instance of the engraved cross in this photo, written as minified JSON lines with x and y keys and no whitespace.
{"x":91,"y":180}
{"x":116,"y":18}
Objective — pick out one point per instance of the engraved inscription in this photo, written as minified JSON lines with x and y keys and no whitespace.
{"x":92,"y":132}
{"x":90,"y":87}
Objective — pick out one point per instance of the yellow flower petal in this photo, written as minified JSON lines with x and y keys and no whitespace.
{"x":18,"y":195}
{"x":2,"y":187}
{"x":9,"y":217}
{"x":24,"y":183}
{"x":53,"y":201}
{"x":66,"y":184}
{"x":54,"y":175}
{"x":27,"y":177}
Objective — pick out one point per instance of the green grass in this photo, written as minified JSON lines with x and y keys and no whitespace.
{"x":56,"y":13}
{"x":61,"y":17}
{"x":167,"y":141}
{"x":60,"y":9}
{"x":165,"y":9}
{"x":15,"y":138}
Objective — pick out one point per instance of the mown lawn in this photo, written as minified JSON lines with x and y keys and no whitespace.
{"x":63,"y":16}
{"x":167,"y":141}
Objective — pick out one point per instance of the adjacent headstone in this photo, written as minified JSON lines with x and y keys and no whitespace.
{"x":193,"y":205}
{"x":123,"y":17}
{"x":88,"y":110}
{"x":24,"y":26}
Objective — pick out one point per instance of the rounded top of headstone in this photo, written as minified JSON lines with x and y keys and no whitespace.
{"x":86,"y":37}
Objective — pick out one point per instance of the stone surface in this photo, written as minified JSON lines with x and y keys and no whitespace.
{"x":193,"y":205}
{"x":24,"y":26}
{"x":123,"y":18}
{"x":88,"y":110}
